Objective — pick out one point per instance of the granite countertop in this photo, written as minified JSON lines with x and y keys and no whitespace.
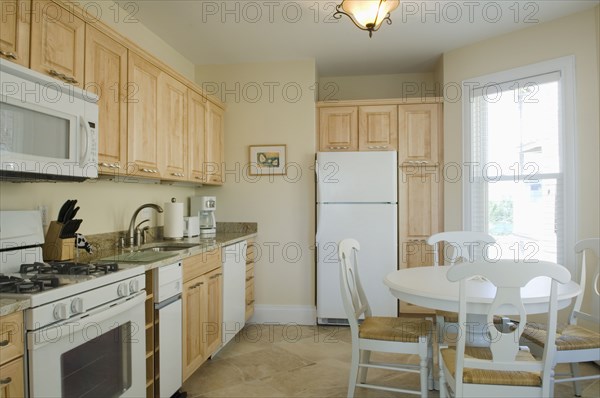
{"x":227,"y":234}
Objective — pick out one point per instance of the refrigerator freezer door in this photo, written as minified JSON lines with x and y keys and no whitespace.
{"x":357,"y":177}
{"x":374,"y":227}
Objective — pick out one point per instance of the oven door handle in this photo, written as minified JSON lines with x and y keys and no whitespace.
{"x":93,"y":318}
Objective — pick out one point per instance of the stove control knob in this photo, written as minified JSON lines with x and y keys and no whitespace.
{"x":123,"y":290}
{"x":60,"y":312}
{"x":77,"y":305}
{"x":134,"y":286}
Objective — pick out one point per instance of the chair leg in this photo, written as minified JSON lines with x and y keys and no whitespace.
{"x":443,"y":391}
{"x":430,"y":382}
{"x":365,"y":357}
{"x":439,"y":325}
{"x":353,"y":371}
{"x":575,"y":373}
{"x":424,"y":373}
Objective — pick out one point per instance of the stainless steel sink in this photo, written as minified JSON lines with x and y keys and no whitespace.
{"x":168,"y":247}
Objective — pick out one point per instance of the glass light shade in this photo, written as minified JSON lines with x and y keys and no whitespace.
{"x":369,"y":14}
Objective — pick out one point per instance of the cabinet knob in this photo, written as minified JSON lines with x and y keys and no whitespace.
{"x":4,"y":343}
{"x":6,"y":381}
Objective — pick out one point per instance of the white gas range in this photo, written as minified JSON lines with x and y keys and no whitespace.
{"x":84,"y":332}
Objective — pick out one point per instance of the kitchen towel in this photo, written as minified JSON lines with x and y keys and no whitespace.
{"x":173,"y":220}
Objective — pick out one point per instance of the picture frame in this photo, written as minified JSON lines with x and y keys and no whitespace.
{"x":267,"y":159}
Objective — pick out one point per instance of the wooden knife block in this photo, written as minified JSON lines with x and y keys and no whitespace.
{"x":55,"y":248}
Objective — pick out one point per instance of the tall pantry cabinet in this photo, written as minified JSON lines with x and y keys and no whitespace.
{"x":413,"y":128}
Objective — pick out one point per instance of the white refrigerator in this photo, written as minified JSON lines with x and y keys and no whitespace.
{"x":357,"y":197}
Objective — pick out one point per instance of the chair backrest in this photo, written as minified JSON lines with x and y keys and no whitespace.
{"x":583,"y":247}
{"x":508,"y":276}
{"x":466,"y":245}
{"x":353,"y":295}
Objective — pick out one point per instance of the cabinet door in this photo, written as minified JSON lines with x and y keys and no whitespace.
{"x":106,"y":76}
{"x":57,"y":42}
{"x":211,"y":330}
{"x":172,"y":122}
{"x":214,"y":156}
{"x":197,"y":109}
{"x":15,"y":27}
{"x":338,"y":128}
{"x":11,"y":379}
{"x":418,"y":131}
{"x":418,"y":204}
{"x":378,"y":128}
{"x":194,"y":317}
{"x":143,"y":145}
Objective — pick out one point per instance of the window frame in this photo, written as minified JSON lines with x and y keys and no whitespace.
{"x":567,"y":141}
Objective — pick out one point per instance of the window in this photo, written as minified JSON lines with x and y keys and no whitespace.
{"x":518,"y":130}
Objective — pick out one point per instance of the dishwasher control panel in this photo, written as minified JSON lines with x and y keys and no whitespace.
{"x":167,"y":281}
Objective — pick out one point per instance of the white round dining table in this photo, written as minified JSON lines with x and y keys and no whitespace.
{"x":428,"y":287}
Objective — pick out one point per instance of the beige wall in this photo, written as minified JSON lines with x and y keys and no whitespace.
{"x":411,"y":85}
{"x":105,"y":206}
{"x":283,"y":207}
{"x":572,"y":35}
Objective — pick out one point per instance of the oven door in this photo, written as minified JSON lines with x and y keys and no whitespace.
{"x":98,"y":355}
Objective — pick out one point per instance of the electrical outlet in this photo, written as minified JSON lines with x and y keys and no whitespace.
{"x":44,"y":210}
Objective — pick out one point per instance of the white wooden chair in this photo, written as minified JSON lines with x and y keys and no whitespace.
{"x":502,"y":370}
{"x":383,"y":334}
{"x":574,"y":343}
{"x":460,"y":246}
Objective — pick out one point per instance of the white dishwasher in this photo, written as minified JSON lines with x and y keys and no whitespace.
{"x":167,"y":302}
{"x":234,"y":289}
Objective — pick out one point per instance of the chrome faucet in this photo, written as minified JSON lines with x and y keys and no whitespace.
{"x":132,"y":235}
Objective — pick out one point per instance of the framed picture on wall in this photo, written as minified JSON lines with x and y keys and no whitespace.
{"x":267,"y":160}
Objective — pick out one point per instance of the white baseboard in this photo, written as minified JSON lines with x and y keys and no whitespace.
{"x":284,"y":314}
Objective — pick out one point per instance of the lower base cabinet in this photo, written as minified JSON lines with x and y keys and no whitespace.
{"x":11,"y":356}
{"x":202,"y":309}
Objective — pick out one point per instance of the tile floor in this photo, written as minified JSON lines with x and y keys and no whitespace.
{"x":305,"y":361}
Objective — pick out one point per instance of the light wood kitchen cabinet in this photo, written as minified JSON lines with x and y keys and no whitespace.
{"x":338,"y":128}
{"x":419,"y":207}
{"x":143,"y":140}
{"x":250,"y":257}
{"x":202,"y":309}
{"x":149,"y":330}
{"x":106,"y":76}
{"x":11,"y":355}
{"x":15,"y":30}
{"x":197,"y":112}
{"x":172,"y":126}
{"x":419,"y":133}
{"x":57,"y":42}
{"x":214,"y":145}
{"x":378,"y":128}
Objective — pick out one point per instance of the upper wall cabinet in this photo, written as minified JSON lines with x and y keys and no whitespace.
{"x":106,"y":76}
{"x":197,"y":112}
{"x":57,"y":42}
{"x":214,"y":145}
{"x":172,"y":126}
{"x":15,"y":30}
{"x":377,"y":128}
{"x":418,"y":134}
{"x":338,"y":129}
{"x":143,"y":140}
{"x":358,"y":128}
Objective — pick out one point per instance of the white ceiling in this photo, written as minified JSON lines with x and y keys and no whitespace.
{"x":224,"y":32}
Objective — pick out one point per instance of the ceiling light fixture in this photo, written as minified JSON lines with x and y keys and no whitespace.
{"x":367,"y":14}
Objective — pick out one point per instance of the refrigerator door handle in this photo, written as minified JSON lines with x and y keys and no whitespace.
{"x":317,"y":171}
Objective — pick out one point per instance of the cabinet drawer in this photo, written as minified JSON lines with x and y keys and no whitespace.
{"x":11,"y":338}
{"x":201,"y":264}
{"x":11,"y":379}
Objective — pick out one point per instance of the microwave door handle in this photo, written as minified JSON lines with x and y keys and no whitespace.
{"x":87,"y":140}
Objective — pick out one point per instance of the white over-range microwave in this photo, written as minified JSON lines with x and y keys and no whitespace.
{"x":48,"y":128}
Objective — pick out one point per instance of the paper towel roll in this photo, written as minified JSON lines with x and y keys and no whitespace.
{"x":173,"y":220}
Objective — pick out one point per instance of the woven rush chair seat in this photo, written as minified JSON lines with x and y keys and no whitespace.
{"x":571,"y":337}
{"x":407,"y":330}
{"x":452,"y":317}
{"x":494,"y":377}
